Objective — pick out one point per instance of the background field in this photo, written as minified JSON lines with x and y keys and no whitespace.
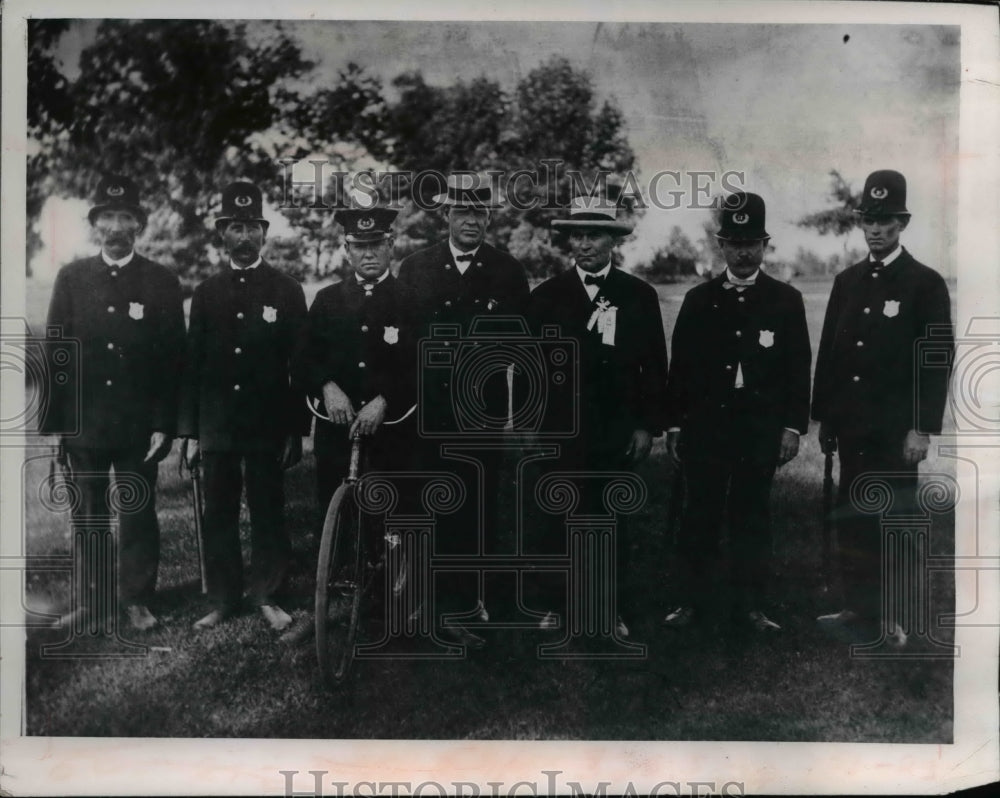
{"x":700,"y":684}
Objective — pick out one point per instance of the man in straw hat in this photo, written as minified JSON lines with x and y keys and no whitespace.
{"x":454,"y":282}
{"x":239,"y":408}
{"x":876,"y":401}
{"x":357,"y":354}
{"x":127,"y":315}
{"x":622,"y":372}
{"x":737,"y":402}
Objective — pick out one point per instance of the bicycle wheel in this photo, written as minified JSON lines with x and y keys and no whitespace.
{"x":339,"y":584}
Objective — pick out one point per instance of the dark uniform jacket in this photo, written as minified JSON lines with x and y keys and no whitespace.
{"x":761,"y":329}
{"x":620,"y":388}
{"x":494,"y":284}
{"x":237,"y":395}
{"x":871,"y":375}
{"x":365,"y":344}
{"x":129,"y":322}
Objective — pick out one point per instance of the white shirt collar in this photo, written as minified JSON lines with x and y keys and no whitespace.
{"x":120,"y":262}
{"x":888,"y":258}
{"x":253,"y":265}
{"x":602,"y":273}
{"x":362,"y":281}
{"x":455,"y":252}
{"x":733,"y":278}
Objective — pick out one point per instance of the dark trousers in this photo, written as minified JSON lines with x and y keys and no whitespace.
{"x":859,"y":534}
{"x":727,"y":473}
{"x":270,"y":545}
{"x":133,"y":501}
{"x":473,"y":527}
{"x":550,"y":593}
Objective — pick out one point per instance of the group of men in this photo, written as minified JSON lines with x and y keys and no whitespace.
{"x":733,"y":403}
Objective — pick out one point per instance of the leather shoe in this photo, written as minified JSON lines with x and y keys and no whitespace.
{"x":459,"y":634}
{"x":278,"y":619}
{"x":895,"y":637}
{"x":210,"y":621}
{"x":550,"y":621}
{"x":140,"y":617}
{"x":762,"y":623}
{"x":80,"y":614}
{"x":842,"y":618}
{"x":681,"y":616}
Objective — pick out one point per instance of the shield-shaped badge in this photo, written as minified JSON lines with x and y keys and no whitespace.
{"x":136,"y":310}
{"x":270,"y":314}
{"x":391,"y":335}
{"x":767,"y":338}
{"x":891,"y":308}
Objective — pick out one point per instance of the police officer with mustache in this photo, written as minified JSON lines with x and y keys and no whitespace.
{"x":240,"y":413}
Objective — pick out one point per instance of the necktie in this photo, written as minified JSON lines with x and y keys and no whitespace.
{"x":590,"y":279}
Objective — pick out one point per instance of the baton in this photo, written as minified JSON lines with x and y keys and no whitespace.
{"x":827,"y":512}
{"x":198,"y":513}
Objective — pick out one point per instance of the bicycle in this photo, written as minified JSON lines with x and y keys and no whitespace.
{"x":344,"y":574}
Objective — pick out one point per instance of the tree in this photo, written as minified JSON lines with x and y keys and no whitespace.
{"x":173,"y":104}
{"x":675,"y":260}
{"x":477,"y":126}
{"x":839,"y":220}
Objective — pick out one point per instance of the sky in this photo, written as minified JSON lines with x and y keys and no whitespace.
{"x":780,"y":104}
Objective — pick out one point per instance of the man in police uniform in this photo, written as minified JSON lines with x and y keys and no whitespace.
{"x":357,"y":354}
{"x":737,"y":402}
{"x":239,"y":408}
{"x":877,"y":403}
{"x":454,"y":282}
{"x":622,"y":360}
{"x":127,"y":315}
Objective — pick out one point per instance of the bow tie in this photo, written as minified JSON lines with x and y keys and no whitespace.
{"x":875,"y":265}
{"x":738,"y":284}
{"x":465,"y":257}
{"x":590,"y":279}
{"x":367,"y":287}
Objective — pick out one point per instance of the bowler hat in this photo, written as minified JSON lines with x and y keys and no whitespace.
{"x":360,"y":224}
{"x":593,"y":213}
{"x":241,"y":202}
{"x":116,"y":193}
{"x":743,"y":218}
{"x":884,"y":194}
{"x":468,"y":189}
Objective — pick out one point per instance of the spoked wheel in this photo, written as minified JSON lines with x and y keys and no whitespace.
{"x":340,"y":582}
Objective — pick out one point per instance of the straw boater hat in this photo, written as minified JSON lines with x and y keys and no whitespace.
{"x":742,"y":218}
{"x":593,"y":213}
{"x":466,"y":189}
{"x":117,"y":193}
{"x":241,"y":202}
{"x":884,"y":195}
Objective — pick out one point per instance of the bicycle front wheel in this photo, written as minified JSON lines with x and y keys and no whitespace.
{"x":339,"y":584}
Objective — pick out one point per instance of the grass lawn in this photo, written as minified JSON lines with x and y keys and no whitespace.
{"x":697,"y":684}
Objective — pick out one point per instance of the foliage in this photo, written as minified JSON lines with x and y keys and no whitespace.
{"x":173,"y":104}
{"x":840,"y":219}
{"x":185,"y":107}
{"x":671,"y":262}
